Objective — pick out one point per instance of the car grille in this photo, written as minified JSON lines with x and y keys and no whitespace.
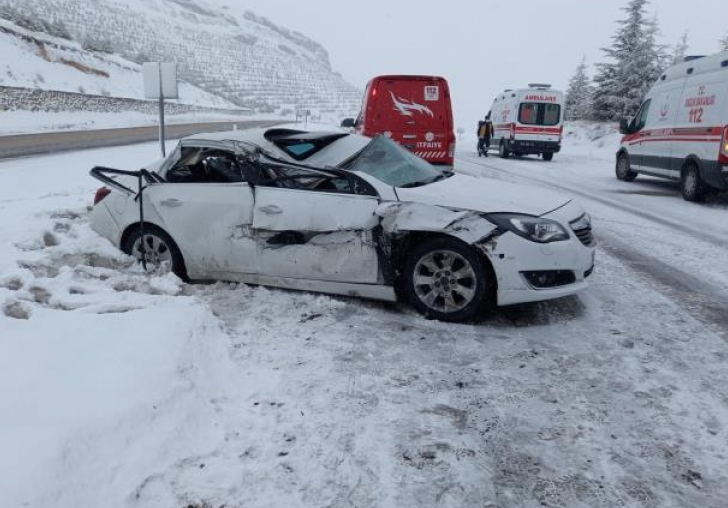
{"x":585,"y":235}
{"x":583,"y":231}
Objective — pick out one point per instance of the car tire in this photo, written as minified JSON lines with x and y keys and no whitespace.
{"x":547,"y":156}
{"x":161,"y":249}
{"x":503,"y":150}
{"x":693,"y":186}
{"x":623,"y":169}
{"x":447,"y":280}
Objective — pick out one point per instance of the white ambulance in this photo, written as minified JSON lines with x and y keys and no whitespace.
{"x":681,"y":130}
{"x":528,"y":121}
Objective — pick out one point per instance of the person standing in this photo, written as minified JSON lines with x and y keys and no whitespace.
{"x":485,"y":133}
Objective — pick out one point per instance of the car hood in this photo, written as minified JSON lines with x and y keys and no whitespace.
{"x":484,"y":195}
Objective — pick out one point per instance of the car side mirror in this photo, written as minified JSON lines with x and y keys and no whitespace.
{"x":624,"y":126}
{"x":348,"y":123}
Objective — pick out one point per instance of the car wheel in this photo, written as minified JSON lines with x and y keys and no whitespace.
{"x":447,"y":280}
{"x":624,"y":169}
{"x":162,"y":254}
{"x":693,"y":187}
{"x":547,"y":156}
{"x":503,"y":150}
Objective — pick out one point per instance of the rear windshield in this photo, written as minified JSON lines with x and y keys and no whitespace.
{"x":538,"y":113}
{"x":301,"y":145}
{"x":409,"y":105}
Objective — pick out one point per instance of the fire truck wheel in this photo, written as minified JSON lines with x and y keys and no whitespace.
{"x":547,"y":156}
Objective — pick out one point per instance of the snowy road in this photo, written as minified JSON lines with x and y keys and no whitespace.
{"x":124,"y":390}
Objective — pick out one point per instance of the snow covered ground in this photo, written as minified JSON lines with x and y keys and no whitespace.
{"x":119,"y":389}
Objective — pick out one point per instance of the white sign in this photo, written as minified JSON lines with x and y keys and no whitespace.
{"x":432,"y":93}
{"x":152,"y":74}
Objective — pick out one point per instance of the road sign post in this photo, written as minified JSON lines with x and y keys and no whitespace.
{"x":160,"y":82}
{"x":305,"y":113}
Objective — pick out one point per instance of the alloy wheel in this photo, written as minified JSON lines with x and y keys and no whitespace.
{"x":157,"y":253}
{"x":444,"y":281}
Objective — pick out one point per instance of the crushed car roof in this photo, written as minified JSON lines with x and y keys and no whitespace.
{"x":342,"y":147}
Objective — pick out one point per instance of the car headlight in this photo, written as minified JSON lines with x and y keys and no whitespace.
{"x":536,"y":229}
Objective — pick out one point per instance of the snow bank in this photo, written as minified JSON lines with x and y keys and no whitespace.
{"x":596,"y":140}
{"x":26,"y":122}
{"x":107,"y":376}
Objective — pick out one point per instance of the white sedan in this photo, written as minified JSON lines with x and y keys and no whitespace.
{"x":340,"y":213}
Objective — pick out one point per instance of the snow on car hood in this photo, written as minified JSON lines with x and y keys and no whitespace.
{"x":485,"y":195}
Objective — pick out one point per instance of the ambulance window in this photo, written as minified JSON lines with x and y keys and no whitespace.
{"x":641,"y":118}
{"x":551,"y":114}
{"x":537,"y":113}
{"x":528,"y":114}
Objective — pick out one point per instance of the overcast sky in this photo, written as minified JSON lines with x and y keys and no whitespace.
{"x":480,"y":46}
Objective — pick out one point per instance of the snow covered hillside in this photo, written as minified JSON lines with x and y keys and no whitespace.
{"x":37,"y":60}
{"x":246,"y":59}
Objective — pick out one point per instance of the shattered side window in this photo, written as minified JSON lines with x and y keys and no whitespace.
{"x":205,"y":165}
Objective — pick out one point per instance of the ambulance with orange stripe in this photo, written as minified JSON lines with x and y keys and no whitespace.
{"x":528,"y":121}
{"x":681,"y":130}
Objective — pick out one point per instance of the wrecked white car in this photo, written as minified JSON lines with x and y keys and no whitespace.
{"x":344,"y":214}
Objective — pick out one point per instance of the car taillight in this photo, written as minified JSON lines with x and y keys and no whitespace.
{"x":451,"y":149}
{"x":101,"y":193}
{"x":723,"y":155}
{"x":513,"y":131}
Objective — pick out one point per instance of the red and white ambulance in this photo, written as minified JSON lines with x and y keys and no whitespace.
{"x":528,"y":121}
{"x":681,"y":130}
{"x":415,"y":111}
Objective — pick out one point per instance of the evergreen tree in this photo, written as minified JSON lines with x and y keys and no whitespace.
{"x":680,"y":50}
{"x":724,"y":43}
{"x":636,"y":61}
{"x":578,"y":95}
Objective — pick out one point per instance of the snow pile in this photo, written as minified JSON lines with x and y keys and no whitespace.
{"x":107,"y":376}
{"x":596,"y":140}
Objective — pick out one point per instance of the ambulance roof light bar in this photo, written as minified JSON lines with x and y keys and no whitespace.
{"x":539,"y":86}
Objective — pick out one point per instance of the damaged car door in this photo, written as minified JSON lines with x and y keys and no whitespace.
{"x":317,"y":226}
{"x":207,"y":207}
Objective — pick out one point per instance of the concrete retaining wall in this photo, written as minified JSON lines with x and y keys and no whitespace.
{"x":29,"y":99}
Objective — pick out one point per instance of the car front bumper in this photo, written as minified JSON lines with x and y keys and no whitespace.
{"x":561,"y":268}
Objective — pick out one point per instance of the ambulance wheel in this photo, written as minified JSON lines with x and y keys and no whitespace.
{"x":547,"y":156}
{"x":503,"y":150}
{"x":693,"y":187}
{"x":624,"y":170}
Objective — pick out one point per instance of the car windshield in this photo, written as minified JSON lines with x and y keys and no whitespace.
{"x":392,"y":164}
